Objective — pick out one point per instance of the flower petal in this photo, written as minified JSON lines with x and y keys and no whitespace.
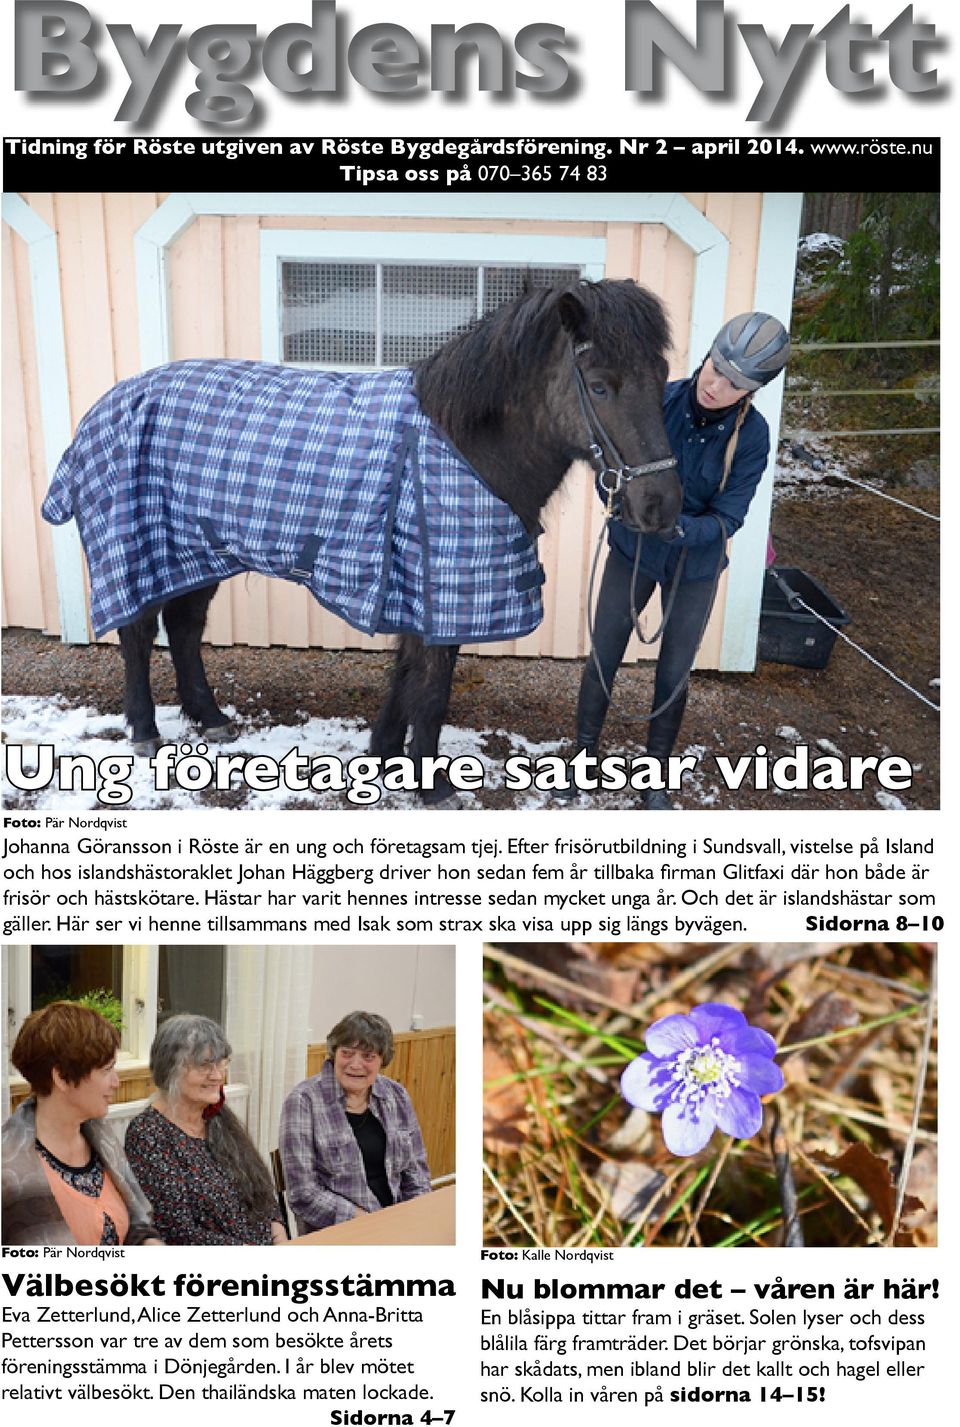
{"x":685,"y":1134}
{"x":714,"y":1019}
{"x":740,"y":1115}
{"x":753,"y":1041}
{"x":646,"y":1082}
{"x":671,"y":1034}
{"x":759,"y":1074}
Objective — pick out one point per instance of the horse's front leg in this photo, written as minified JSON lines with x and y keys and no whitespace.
{"x":389,"y":734}
{"x":427,"y":693}
{"x":136,"y":646}
{"x":184,"y":619}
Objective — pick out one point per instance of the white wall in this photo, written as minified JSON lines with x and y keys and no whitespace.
{"x":398,"y":982}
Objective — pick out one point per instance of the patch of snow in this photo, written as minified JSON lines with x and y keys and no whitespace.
{"x":30,"y":722}
{"x":820,"y":243}
{"x":890,"y":802}
{"x":796,"y":478}
{"x":829,"y":747}
{"x":791,"y":734}
{"x":815,"y":256}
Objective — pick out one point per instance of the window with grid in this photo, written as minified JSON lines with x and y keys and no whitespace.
{"x":137,"y":987}
{"x":382,"y":314}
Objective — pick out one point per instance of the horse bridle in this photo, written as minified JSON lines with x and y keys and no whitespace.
{"x":601,"y":443}
{"x":622,"y":473}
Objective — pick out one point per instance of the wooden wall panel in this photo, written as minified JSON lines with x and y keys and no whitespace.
{"x":134,"y":1085}
{"x":425,"y":1065}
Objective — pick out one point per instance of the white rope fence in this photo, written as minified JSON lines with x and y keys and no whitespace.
{"x":883,"y":496}
{"x":800,"y":453}
{"x":801,"y":602}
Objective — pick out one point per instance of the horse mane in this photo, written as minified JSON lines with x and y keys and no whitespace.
{"x":505,"y":356}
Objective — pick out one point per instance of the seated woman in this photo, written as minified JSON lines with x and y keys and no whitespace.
{"x":65,"y":1180}
{"x":349,"y":1137}
{"x":192,"y":1156}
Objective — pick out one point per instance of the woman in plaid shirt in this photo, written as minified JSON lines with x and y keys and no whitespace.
{"x":349,"y":1138}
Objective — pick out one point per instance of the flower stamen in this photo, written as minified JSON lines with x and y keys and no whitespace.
{"x":702,"y":1071}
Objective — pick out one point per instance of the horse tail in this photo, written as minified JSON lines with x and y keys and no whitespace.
{"x":731,"y":450}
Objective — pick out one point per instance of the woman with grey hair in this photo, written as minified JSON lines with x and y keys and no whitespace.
{"x":349,"y":1137}
{"x":193,"y":1158}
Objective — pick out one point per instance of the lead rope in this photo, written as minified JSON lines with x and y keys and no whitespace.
{"x":675,"y":585}
{"x":635,"y":618}
{"x":796,"y":601}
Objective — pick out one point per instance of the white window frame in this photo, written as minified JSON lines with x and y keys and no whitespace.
{"x":280,"y":245}
{"x":139,"y":996}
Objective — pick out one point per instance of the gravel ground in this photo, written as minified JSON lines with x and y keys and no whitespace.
{"x":876,"y":560}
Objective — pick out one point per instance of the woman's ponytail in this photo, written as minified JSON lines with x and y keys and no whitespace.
{"x":731,"y":450}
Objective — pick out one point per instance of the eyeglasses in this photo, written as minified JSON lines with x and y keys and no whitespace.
{"x":348,"y":1052}
{"x":212,"y":1067}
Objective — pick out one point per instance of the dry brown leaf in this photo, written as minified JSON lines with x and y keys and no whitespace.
{"x":922,"y":1179}
{"x":628,"y":1135}
{"x":578,"y":963}
{"x":872,"y":1173}
{"x":630,"y":1184}
{"x":829,"y":1012}
{"x":468,"y":676}
{"x":777,"y":955}
{"x":669,"y":1008}
{"x":922,"y":1182}
{"x":881,"y":1083}
{"x":505,"y":1120}
{"x":625,"y":952}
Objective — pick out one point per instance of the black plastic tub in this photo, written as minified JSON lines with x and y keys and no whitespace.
{"x":793,"y":636}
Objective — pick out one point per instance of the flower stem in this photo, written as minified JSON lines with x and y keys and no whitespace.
{"x":780,"y":1152}
{"x":708,"y":1190}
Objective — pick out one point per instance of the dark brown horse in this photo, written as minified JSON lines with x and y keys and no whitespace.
{"x":558,"y":375}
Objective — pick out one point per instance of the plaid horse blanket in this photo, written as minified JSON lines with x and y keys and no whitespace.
{"x":200,"y":470}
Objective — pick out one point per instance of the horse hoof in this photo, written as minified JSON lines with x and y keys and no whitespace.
{"x":442,"y":792}
{"x":657,"y":800}
{"x":146,"y":747}
{"x":220,"y":733}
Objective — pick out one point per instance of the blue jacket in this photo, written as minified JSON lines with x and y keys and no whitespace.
{"x":700,"y":451}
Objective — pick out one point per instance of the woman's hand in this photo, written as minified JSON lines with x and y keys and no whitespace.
{"x":278,"y":1233}
{"x":153,"y":1244}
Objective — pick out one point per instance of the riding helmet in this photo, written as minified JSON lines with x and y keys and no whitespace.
{"x":750,"y":350}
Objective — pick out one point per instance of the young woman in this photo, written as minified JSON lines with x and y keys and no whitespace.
{"x":65,"y":1180}
{"x":721,"y":444}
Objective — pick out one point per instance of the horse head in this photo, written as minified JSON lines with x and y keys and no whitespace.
{"x":607,"y":396}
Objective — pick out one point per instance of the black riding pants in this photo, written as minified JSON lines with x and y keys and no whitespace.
{"x":613,"y":625}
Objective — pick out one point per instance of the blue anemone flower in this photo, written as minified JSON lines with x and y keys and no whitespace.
{"x":702,"y":1072}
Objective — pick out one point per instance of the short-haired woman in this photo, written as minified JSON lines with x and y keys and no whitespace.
{"x":349,"y":1137}
{"x":192,"y":1156}
{"x":65,"y":1180}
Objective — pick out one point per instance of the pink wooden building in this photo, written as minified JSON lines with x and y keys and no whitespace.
{"x":99,"y":286}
